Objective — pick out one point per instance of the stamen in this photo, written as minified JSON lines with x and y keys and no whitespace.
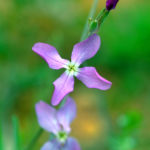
{"x":72,"y":69}
{"x":62,"y":136}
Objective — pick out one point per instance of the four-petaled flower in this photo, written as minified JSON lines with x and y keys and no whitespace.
{"x":111,"y":4}
{"x":58,"y":123}
{"x":81,"y":52}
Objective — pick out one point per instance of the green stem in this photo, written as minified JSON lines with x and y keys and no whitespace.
{"x":98,"y":21}
{"x":91,"y":14}
{"x":34,"y":139}
{"x":61,"y":103}
{"x":102,"y":16}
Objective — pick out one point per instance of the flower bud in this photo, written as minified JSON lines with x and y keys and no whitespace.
{"x":111,"y":4}
{"x":93,"y":26}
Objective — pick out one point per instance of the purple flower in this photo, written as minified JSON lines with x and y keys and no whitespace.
{"x":58,"y":122}
{"x":111,"y":4}
{"x":81,"y":52}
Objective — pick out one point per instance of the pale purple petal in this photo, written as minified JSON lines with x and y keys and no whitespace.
{"x":72,"y":144}
{"x":47,"y":117}
{"x":90,"y":77}
{"x":67,"y":113}
{"x":50,"y":54}
{"x":63,"y":85}
{"x":51,"y":145}
{"x":86,"y":49}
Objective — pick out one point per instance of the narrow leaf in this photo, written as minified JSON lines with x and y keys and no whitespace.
{"x":1,"y":137}
{"x":16,"y":135}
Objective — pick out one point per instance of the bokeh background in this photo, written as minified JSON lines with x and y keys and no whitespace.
{"x":117,"y":119}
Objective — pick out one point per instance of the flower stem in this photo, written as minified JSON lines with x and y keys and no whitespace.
{"x":34,"y":139}
{"x":99,"y":20}
{"x":91,"y":14}
{"x":102,"y":16}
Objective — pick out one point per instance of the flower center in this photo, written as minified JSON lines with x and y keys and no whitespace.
{"x":72,"y":69}
{"x":62,"y":136}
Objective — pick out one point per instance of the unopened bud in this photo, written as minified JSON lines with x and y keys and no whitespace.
{"x":111,"y":4}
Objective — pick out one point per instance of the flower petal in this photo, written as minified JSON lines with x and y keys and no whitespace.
{"x":72,"y":144}
{"x":63,"y":85}
{"x":51,"y":145}
{"x":67,"y":113}
{"x":50,"y":54}
{"x":47,"y":117}
{"x":90,"y":77}
{"x":86,"y":49}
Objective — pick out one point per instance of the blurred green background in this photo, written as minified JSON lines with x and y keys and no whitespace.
{"x":117,"y":119}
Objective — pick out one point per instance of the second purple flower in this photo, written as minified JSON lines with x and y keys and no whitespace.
{"x":81,"y":52}
{"x":58,"y":122}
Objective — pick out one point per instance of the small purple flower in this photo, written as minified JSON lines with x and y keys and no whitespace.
{"x":81,"y":52}
{"x":58,"y":122}
{"x":111,"y":4}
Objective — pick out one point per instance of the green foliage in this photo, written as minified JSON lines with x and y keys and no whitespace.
{"x":127,"y":125}
{"x":129,"y":122}
{"x":122,"y":143}
{"x":1,"y":137}
{"x":16,"y":134}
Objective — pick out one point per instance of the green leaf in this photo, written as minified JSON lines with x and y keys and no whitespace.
{"x":1,"y":137}
{"x":16,"y":135}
